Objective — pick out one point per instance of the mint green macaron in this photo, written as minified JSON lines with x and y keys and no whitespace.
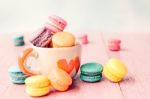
{"x":18,"y":40}
{"x":91,"y":72}
{"x":16,"y":75}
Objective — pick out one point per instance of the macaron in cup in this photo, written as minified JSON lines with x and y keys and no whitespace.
{"x":55,"y":24}
{"x":63,"y":39}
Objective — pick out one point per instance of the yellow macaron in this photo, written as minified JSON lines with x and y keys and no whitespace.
{"x":37,"y":85}
{"x":115,"y":70}
{"x":63,"y":39}
{"x":60,"y":80}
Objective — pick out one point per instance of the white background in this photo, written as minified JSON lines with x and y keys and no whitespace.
{"x":117,"y":16}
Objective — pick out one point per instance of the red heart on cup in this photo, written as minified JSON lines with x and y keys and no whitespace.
{"x":68,"y":67}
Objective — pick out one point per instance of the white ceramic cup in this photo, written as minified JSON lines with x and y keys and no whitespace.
{"x":48,"y":59}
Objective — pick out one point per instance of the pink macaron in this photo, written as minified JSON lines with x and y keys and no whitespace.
{"x":114,"y":44}
{"x":114,"y":47}
{"x":83,"y":38}
{"x":56,"y":23}
{"x":116,"y":41}
{"x":52,"y":28}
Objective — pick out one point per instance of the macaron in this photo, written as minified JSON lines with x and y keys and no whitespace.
{"x":38,"y":85}
{"x":115,"y":70}
{"x":43,"y":38}
{"x":63,"y":39}
{"x":16,"y":75}
{"x":83,"y":38}
{"x":52,"y":28}
{"x":60,"y":80}
{"x":18,"y":40}
{"x":55,"y":24}
{"x":91,"y":72}
{"x":114,"y":44}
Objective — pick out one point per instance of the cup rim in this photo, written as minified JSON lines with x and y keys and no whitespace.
{"x":59,"y":48}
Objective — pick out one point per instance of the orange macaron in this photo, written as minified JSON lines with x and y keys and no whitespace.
{"x":63,"y":39}
{"x":60,"y":80}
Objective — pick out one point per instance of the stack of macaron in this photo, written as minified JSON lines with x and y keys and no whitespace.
{"x":54,"y":25}
{"x":91,"y":72}
{"x":18,"y":40}
{"x":37,"y":85}
{"x":16,"y":75}
{"x":40,"y":85}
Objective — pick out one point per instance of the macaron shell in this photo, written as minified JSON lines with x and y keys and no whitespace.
{"x":18,"y":37}
{"x":59,"y":75}
{"x":18,"y":80}
{"x":63,"y":39}
{"x":65,"y":77}
{"x":14,"y":69}
{"x":37,"y":81}
{"x":59,"y":19}
{"x":90,"y":78}
{"x":117,"y":66}
{"x":55,"y":45}
{"x":19,"y":43}
{"x":58,"y":86}
{"x":55,"y":25}
{"x":113,"y":47}
{"x":60,"y":80}
{"x":116,"y":41}
{"x":117,"y":74}
{"x":61,"y":23}
{"x":16,"y":75}
{"x":110,"y":76}
{"x":91,"y":68}
{"x":38,"y":91}
{"x":53,"y":28}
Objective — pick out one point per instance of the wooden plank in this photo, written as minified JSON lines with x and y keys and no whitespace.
{"x":134,"y":53}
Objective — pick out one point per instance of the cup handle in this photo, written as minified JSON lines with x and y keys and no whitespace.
{"x":22,"y":62}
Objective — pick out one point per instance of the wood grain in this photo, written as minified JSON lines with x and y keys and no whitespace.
{"x":135,"y":53}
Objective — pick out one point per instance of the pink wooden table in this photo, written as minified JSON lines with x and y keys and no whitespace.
{"x":135,"y":53}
